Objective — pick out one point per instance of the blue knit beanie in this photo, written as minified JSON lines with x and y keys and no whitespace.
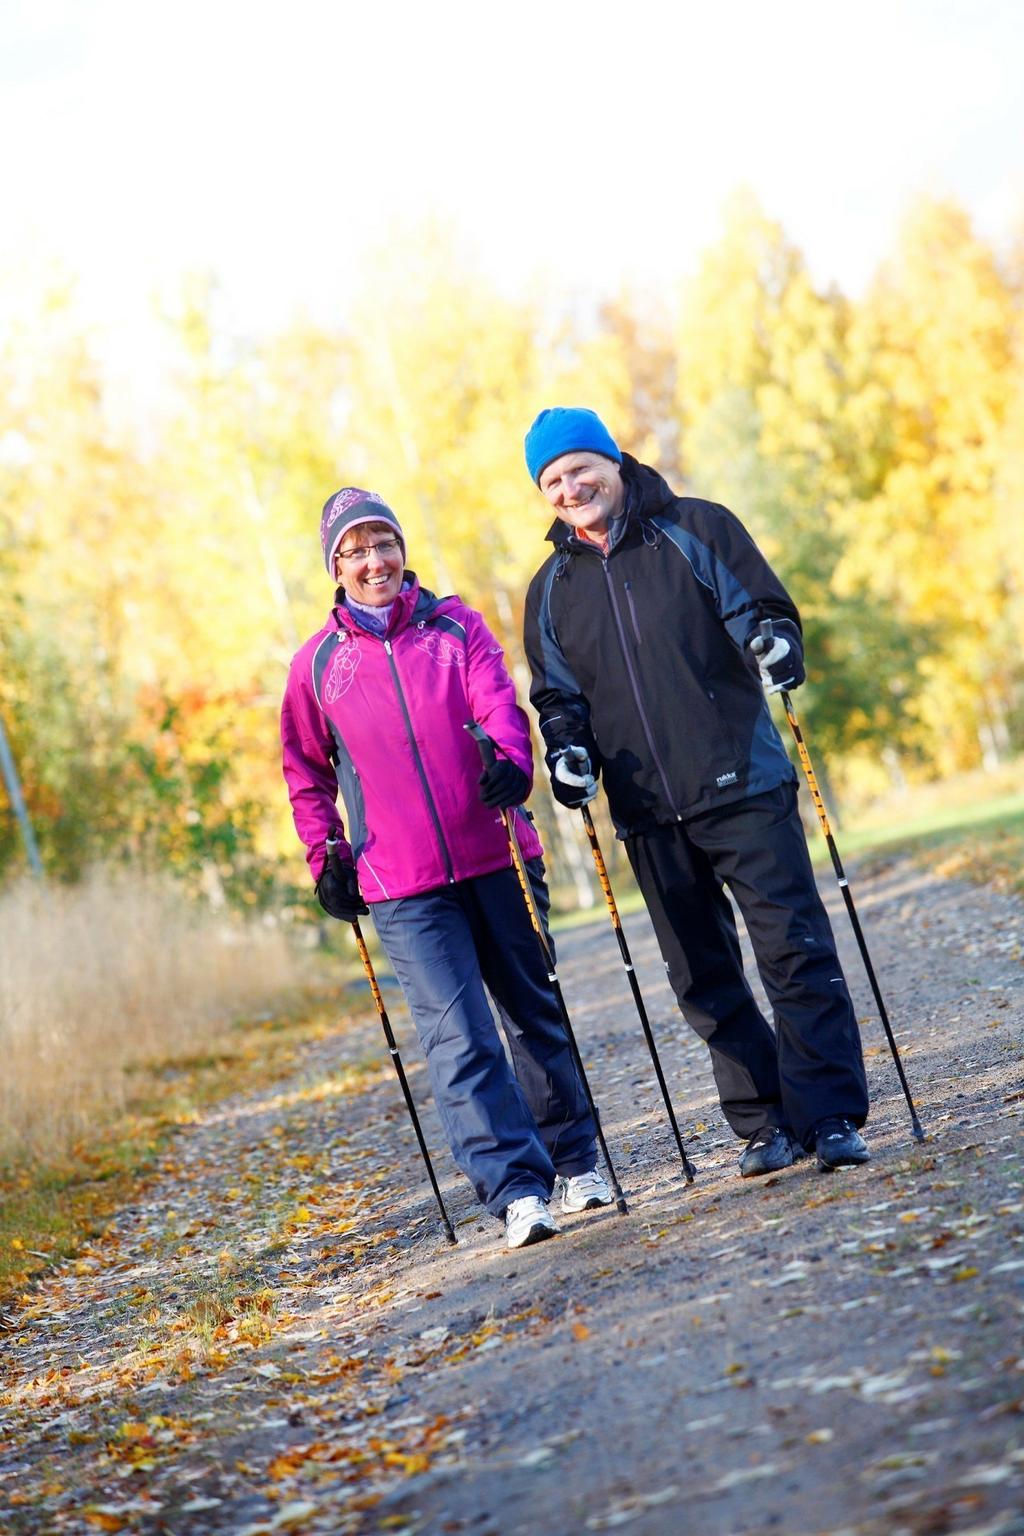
{"x":566,"y":430}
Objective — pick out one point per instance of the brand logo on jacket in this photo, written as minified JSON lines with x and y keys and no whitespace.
{"x":725,"y":779}
{"x":440,"y":649}
{"x":341,"y":672}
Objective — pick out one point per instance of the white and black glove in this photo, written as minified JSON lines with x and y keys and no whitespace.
{"x":780,"y":661}
{"x":573,"y":783}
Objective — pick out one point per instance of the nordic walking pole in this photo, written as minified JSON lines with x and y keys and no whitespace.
{"x":606,"y":886}
{"x":767,"y":634}
{"x":487,"y":754}
{"x":364,"y":955}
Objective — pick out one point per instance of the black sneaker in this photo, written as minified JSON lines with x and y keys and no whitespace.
{"x":838,"y":1144}
{"x":768,"y":1150}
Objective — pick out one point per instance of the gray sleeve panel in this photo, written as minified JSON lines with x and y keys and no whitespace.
{"x":351,"y":792}
{"x":321,"y":656}
{"x":563,"y":709}
{"x":769,"y":760}
{"x":344,"y":767}
{"x":733,"y":603}
{"x":557,"y":672}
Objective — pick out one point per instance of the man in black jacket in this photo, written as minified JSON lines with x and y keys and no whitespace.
{"x":642,"y":632}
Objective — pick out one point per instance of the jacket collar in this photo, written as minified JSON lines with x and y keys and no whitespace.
{"x":413,"y":605}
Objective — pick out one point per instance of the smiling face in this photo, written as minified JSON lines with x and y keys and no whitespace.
{"x":585,"y":490}
{"x":369,"y":564}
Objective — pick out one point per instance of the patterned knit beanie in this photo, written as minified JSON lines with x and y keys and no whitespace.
{"x":347,"y":508}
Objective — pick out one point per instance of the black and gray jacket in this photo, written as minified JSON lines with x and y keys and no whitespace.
{"x":641,"y":655}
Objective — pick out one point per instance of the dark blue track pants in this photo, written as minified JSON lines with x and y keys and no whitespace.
{"x":811,"y":1066}
{"x":509,"y":1132}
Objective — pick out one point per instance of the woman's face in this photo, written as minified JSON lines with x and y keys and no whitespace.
{"x":369,"y":564}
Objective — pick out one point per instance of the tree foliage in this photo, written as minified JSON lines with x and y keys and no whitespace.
{"x":156,"y":575}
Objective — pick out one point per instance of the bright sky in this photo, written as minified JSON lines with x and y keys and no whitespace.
{"x":275,"y":143}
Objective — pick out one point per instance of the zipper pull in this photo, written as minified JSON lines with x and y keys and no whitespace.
{"x":387,"y":646}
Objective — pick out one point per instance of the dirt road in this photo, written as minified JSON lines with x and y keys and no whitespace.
{"x":277,"y":1339}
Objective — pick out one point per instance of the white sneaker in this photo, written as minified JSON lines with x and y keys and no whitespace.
{"x":528,"y":1221}
{"x":584,"y":1191}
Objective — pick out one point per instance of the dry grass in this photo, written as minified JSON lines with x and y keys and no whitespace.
{"x":102,"y":976}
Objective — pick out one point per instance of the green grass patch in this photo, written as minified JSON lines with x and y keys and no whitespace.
{"x":983,"y":842}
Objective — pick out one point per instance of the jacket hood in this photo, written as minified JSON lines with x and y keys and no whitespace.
{"x":646,"y":492}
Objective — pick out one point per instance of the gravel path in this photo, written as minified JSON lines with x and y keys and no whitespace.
{"x":275,"y":1338}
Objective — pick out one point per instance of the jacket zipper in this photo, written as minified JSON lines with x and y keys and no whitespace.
{"x":632,"y":612}
{"x":634,"y":684}
{"x":419,"y":764}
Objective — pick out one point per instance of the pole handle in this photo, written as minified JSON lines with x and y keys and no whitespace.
{"x":488,"y":756}
{"x":333,"y":856}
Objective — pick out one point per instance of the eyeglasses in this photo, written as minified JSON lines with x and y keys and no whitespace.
{"x":385,"y":548}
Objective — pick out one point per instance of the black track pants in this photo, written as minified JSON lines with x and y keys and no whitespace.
{"x":811,"y":1065}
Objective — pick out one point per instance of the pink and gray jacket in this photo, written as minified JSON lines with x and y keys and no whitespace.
{"x":383,"y":719}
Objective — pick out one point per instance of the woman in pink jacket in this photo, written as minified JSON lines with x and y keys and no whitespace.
{"x":376,"y":703}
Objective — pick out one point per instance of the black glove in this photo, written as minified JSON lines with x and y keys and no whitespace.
{"x":573,"y":781}
{"x":338,"y":892}
{"x":503,"y":785}
{"x":780,"y":659}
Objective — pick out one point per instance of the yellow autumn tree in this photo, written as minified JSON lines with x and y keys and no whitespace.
{"x":246,"y":459}
{"x":931,"y":354}
{"x":72,"y":485}
{"x":440,"y":384}
{"x":769,"y":427}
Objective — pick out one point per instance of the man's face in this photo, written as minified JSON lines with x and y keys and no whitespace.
{"x":585,"y":490}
